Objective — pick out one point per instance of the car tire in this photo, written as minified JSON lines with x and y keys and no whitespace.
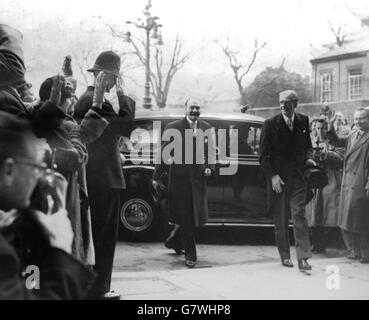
{"x":139,"y":219}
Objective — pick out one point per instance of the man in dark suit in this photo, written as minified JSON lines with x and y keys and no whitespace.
{"x":105,"y":179}
{"x":61,"y":275}
{"x":285,"y":149}
{"x":187,"y":197}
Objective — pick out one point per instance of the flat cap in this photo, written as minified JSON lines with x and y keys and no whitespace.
{"x":288,"y":95}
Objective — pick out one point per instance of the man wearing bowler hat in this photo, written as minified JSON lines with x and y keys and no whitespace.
{"x":105,"y":179}
{"x":285,"y":150}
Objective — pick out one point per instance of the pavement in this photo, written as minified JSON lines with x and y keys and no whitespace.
{"x":149,"y":271}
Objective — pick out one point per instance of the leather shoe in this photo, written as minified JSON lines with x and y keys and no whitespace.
{"x":304,"y":265}
{"x":190,"y":263}
{"x":364,"y":260}
{"x":353,"y":256}
{"x":176,"y":248}
{"x":287,"y":263}
{"x":111,"y":295}
{"x":318,"y":250}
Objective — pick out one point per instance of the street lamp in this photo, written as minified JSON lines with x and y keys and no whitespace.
{"x":149,"y":26}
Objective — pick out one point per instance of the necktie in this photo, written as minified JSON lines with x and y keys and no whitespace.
{"x":290,"y":124}
{"x":193,"y":127}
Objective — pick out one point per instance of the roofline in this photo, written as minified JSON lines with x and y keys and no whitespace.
{"x":357,"y":54}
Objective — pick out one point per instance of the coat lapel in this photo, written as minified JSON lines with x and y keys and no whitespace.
{"x":364,"y":138}
{"x":281,"y":124}
{"x":184,"y":124}
{"x":15,"y":96}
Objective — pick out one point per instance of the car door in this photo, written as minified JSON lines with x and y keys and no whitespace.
{"x":214,"y":183}
{"x":244,"y":192}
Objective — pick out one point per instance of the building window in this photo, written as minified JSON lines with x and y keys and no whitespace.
{"x":354,"y":84}
{"x":326,"y":81}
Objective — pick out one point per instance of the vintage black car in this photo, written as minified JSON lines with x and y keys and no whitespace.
{"x":233,"y":199}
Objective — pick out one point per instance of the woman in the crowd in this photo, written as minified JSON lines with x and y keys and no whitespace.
{"x":323,"y":211}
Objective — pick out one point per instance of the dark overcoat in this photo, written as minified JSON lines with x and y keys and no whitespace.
{"x":61,"y":275}
{"x":187,"y":182}
{"x":104,"y":168}
{"x":353,"y":207}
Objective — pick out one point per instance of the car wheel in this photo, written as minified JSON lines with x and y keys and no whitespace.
{"x":139,"y":219}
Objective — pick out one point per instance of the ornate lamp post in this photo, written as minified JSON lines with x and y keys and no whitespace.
{"x":149,"y":26}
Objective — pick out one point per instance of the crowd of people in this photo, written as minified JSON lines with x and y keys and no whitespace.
{"x":290,"y":144}
{"x":60,"y":177}
{"x":342,"y":151}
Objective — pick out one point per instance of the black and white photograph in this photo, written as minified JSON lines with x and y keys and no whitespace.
{"x":184,"y":155}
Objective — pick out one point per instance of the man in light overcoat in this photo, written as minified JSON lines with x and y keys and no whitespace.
{"x":354,"y":200}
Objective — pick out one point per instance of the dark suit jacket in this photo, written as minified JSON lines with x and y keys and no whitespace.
{"x":283,"y":151}
{"x":61,"y":276}
{"x":187,"y":181}
{"x":104,"y":165}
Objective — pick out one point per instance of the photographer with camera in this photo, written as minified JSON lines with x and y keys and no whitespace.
{"x":64,"y":135}
{"x":21,"y":168}
{"x":323,"y":207}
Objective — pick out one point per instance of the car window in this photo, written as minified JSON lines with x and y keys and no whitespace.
{"x":246,"y":136}
{"x":253,"y":138}
{"x":143,"y":133}
{"x":146,"y":134}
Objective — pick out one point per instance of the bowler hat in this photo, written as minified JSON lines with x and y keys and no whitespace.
{"x":316,"y":176}
{"x":107,"y":61}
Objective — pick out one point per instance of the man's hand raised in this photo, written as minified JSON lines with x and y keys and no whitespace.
{"x":119,"y":86}
{"x":100,"y":88}
{"x":331,"y":118}
{"x":56,"y":88}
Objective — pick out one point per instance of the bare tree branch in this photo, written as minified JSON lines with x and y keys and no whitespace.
{"x":240,"y":69}
{"x":82,"y":60}
{"x":254,"y":54}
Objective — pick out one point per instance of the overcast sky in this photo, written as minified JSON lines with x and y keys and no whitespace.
{"x":292,"y":29}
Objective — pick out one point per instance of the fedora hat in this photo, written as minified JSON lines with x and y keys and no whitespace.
{"x":316,"y":176}
{"x":107,"y":61}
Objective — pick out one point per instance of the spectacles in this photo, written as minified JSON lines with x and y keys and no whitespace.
{"x":38,"y":168}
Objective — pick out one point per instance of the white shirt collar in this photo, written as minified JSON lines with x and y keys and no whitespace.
{"x":286,"y":118}
{"x":190,"y":122}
